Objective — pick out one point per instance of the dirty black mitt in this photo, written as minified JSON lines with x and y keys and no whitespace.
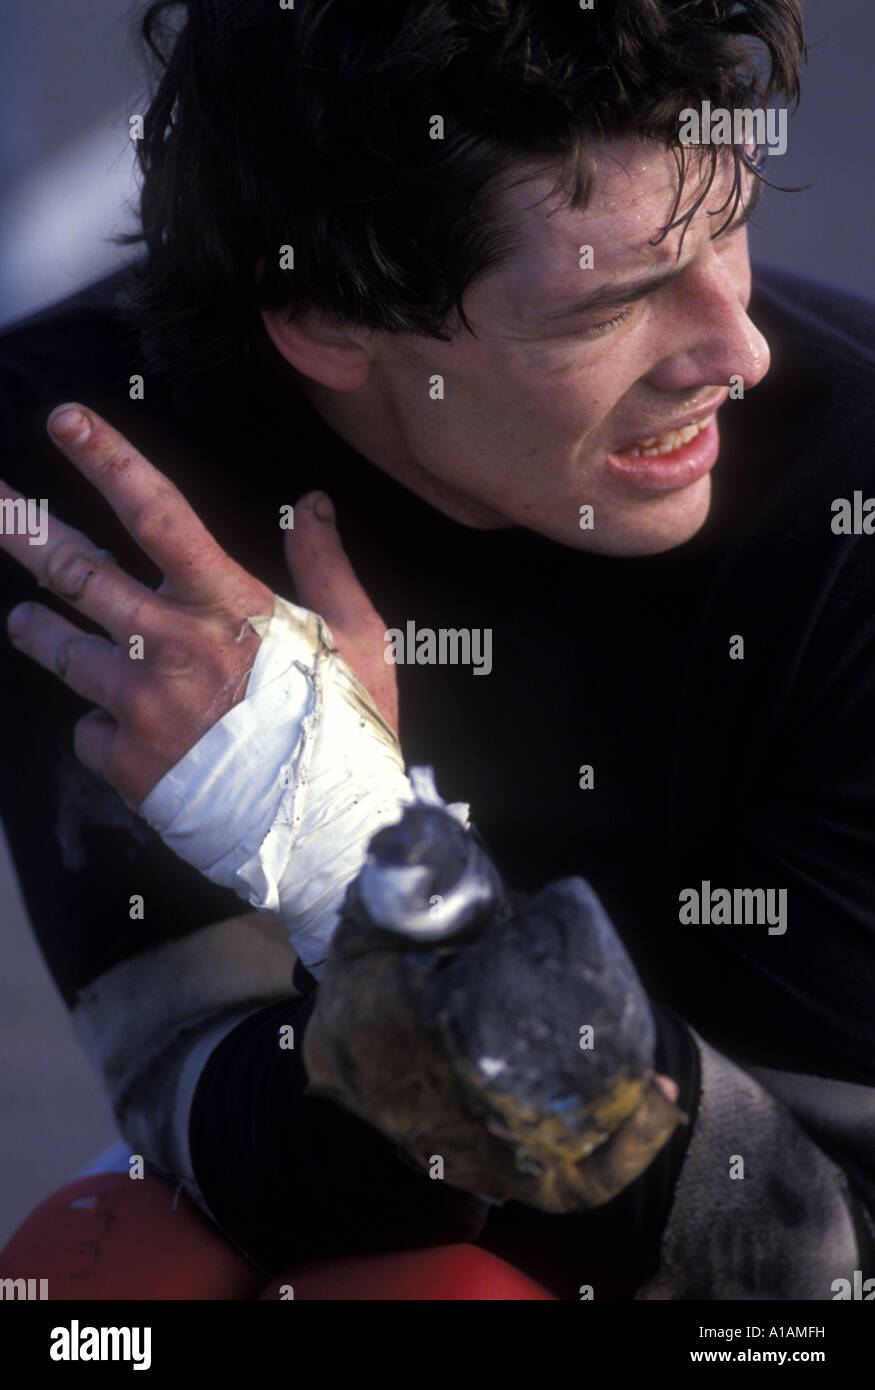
{"x":504,"y":1045}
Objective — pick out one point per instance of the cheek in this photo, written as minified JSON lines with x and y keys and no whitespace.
{"x":521,"y":395}
{"x":579,"y":394}
{"x":560,"y":408}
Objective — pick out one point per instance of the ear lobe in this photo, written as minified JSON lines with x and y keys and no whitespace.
{"x":326,"y":352}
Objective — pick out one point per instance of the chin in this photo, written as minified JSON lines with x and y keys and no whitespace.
{"x":646,"y":527}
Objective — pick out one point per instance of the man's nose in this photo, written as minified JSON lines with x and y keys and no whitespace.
{"x":709,"y":337}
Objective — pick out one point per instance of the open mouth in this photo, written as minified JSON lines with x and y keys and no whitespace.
{"x":667,"y":461}
{"x":667,"y":443}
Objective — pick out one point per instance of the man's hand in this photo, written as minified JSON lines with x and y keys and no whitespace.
{"x":197,"y":648}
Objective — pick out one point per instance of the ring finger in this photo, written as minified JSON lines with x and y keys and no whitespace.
{"x":89,"y":665}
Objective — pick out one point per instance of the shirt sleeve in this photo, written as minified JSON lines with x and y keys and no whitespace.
{"x":291,"y":1176}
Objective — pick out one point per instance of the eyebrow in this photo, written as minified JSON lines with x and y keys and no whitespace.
{"x":614,"y":295}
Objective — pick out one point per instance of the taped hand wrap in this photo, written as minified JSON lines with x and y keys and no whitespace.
{"x":280,"y":799}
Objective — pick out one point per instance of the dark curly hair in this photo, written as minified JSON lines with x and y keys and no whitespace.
{"x":310,"y":127}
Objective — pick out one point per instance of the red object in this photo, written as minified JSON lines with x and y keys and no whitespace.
{"x":445,"y":1272}
{"x":114,"y":1237}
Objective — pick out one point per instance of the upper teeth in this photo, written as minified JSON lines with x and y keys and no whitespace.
{"x":666,"y":443}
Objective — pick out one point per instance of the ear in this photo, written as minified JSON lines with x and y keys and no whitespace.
{"x":330,"y":353}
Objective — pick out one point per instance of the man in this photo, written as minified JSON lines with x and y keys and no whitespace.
{"x":450,"y":275}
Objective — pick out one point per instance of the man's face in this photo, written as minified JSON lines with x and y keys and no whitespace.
{"x":542,"y":408}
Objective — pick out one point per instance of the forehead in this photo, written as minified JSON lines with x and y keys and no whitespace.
{"x":634,"y":188}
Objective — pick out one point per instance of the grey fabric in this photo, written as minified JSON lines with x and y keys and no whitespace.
{"x":149,"y":1025}
{"x":782,"y":1231}
{"x":838,"y":1113}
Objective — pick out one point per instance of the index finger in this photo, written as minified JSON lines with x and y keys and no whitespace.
{"x":148,"y":505}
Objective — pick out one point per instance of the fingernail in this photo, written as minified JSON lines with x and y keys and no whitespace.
{"x":323,"y":508}
{"x":69,"y":425}
{"x":17,"y":620}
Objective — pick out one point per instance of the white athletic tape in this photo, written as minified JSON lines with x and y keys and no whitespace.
{"x":280,"y":799}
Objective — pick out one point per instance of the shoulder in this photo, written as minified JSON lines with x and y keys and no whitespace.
{"x":79,"y":334}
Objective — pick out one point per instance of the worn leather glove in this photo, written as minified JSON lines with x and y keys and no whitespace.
{"x":454,"y":1020}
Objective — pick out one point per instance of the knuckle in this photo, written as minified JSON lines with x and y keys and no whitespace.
{"x":68,"y":569}
{"x":153,"y":523}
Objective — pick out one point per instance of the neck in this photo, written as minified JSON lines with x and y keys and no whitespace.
{"x":367,"y":421}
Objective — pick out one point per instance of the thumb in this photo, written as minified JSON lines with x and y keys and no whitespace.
{"x":326,"y":583}
{"x":324,"y":580}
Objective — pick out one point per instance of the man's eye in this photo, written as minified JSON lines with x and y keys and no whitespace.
{"x":611,"y":322}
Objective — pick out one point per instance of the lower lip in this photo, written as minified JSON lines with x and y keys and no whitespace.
{"x":667,"y":472}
